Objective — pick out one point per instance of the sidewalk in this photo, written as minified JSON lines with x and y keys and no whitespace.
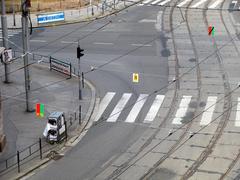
{"x":23,"y":129}
{"x":77,"y":15}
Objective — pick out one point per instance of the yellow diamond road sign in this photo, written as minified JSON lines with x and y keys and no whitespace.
{"x":135,"y":77}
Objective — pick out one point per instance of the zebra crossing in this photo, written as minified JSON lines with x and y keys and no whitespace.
{"x":121,"y":102}
{"x":11,"y":33}
{"x":197,"y":4}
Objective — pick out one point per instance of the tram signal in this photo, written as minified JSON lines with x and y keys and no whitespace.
{"x":211,"y":30}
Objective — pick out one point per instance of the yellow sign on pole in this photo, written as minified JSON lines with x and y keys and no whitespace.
{"x":135,"y":77}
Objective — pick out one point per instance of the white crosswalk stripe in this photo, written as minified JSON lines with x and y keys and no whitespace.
{"x":146,"y":1}
{"x":11,"y":33}
{"x":104,"y":103}
{"x":208,"y":111}
{"x":119,"y":107}
{"x":136,"y":108}
{"x":164,"y":2}
{"x":155,"y":2}
{"x":215,"y":4}
{"x":154,"y":108}
{"x":237,"y":121}
{"x":182,"y":110}
{"x":198,"y":3}
{"x":183,"y":3}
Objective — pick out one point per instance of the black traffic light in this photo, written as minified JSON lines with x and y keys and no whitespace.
{"x":79,"y":52}
{"x":28,"y":3}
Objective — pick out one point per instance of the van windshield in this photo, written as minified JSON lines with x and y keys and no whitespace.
{"x":52,"y":122}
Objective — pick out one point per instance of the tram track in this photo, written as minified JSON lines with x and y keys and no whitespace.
{"x":227,"y":108}
{"x":198,"y":71}
{"x":171,"y":109}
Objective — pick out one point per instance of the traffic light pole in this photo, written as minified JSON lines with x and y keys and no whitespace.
{"x":25,"y":37}
{"x":5,"y":39}
{"x":79,"y":55}
{"x":79,"y":79}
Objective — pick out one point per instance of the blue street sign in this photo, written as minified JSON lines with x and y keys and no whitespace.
{"x":50,"y":17}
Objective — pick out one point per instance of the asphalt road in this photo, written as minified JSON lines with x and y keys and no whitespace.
{"x":134,"y":45}
{"x":195,"y":133}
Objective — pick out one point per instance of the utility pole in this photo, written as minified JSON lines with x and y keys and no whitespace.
{"x":13,"y":11}
{"x":26,"y":4}
{"x":5,"y":39}
{"x":79,"y":55}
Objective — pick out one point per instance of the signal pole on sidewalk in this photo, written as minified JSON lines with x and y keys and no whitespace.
{"x":5,"y":39}
{"x":26,"y":4}
{"x":79,"y":55}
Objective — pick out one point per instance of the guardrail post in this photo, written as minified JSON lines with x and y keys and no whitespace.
{"x":18,"y":161}
{"x":65,"y":123}
{"x":80,"y":115}
{"x":70,"y":70}
{"x":50,"y":62}
{"x":40,"y":147}
{"x":6,"y":164}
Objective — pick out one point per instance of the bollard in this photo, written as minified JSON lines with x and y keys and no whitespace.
{"x":40,"y":147}
{"x":80,"y":114}
{"x":18,"y":161}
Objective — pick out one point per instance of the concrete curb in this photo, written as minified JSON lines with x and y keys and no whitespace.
{"x":84,"y":20}
{"x":80,"y":132}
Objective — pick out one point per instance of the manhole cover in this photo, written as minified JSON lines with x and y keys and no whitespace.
{"x":202,"y":104}
{"x":192,"y":60}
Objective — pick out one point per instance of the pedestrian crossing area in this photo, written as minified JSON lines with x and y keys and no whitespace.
{"x":129,"y":108}
{"x":196,"y":4}
{"x":11,"y":33}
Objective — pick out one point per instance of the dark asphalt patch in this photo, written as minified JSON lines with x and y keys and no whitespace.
{"x":165,"y":53}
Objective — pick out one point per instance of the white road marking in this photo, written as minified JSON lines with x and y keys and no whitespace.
{"x":237,"y":121}
{"x":147,"y":21}
{"x":198,"y":3}
{"x":158,"y":24}
{"x":155,"y":2}
{"x":146,"y":1}
{"x":104,"y":103}
{"x":102,"y":43}
{"x":183,"y":3}
{"x":182,"y":110}
{"x":143,"y":45}
{"x":37,"y":40}
{"x":164,"y":2}
{"x":154,"y":108}
{"x":208,"y":111}
{"x":215,"y":4}
{"x":136,"y":108}
{"x":69,"y":42}
{"x":119,"y":107}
